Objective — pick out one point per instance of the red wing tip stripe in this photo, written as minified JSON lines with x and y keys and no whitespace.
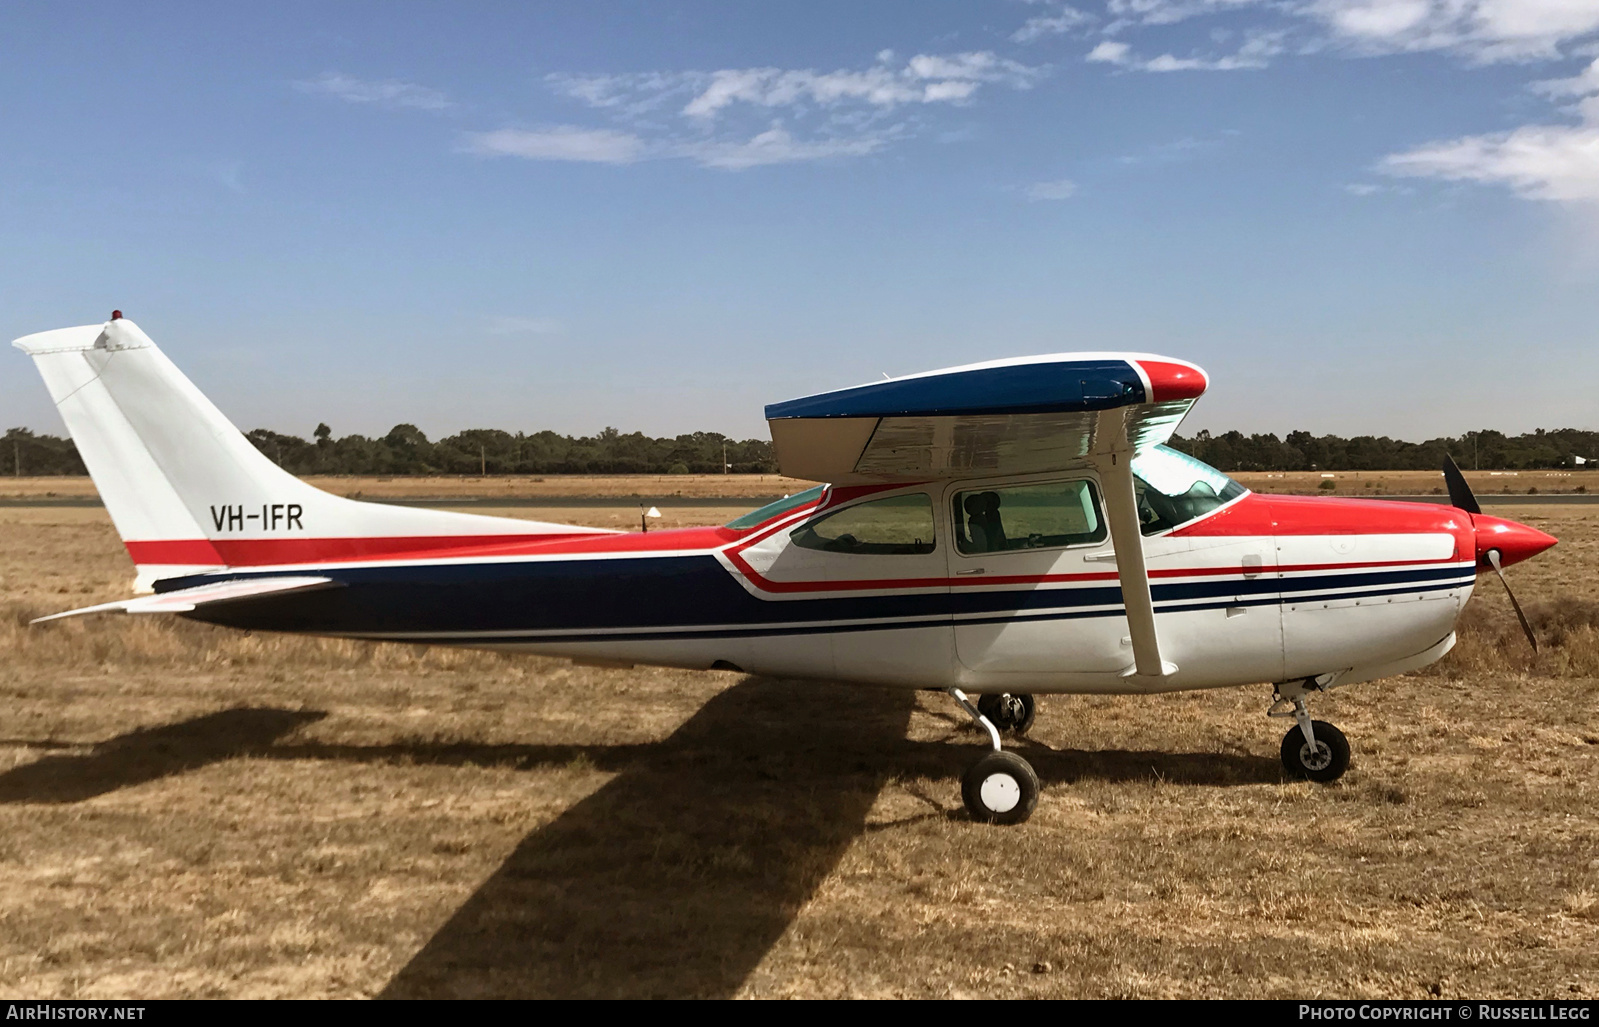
{"x":1169,"y":380}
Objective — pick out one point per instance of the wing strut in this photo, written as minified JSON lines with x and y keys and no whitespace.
{"x":1121,"y":507}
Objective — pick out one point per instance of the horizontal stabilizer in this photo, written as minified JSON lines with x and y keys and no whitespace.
{"x":184,"y":600}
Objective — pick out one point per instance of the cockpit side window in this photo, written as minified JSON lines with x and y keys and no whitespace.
{"x":1173,"y":488}
{"x":896,"y":526}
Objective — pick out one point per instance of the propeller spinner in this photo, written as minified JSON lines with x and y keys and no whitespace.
{"x":1499,"y":542}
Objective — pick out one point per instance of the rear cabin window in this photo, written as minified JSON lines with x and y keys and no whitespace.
{"x":896,"y":526}
{"x":1044,"y":516}
{"x":755,"y":518}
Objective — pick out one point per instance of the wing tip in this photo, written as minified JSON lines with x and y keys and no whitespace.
{"x":1171,"y":379}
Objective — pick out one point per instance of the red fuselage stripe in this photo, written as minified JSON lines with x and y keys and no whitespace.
{"x":766,"y":584}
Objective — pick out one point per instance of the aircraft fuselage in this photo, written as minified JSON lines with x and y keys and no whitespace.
{"x":1260,"y":589}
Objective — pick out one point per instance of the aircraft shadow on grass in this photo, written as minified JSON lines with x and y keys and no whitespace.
{"x":146,"y":755}
{"x":676,"y":877}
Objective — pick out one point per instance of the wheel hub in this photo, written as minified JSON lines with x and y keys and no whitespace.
{"x":1000,"y":792}
{"x":1317,"y":758}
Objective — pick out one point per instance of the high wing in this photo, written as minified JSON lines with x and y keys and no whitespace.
{"x":187,"y":599}
{"x":1061,"y":411}
{"x":1015,"y":416}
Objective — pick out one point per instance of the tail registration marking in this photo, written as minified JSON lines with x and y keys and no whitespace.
{"x":271,"y":516}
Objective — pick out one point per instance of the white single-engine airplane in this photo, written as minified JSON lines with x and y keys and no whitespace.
{"x":1006,"y":528}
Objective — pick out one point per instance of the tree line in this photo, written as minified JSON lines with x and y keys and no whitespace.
{"x":407,"y":450}
{"x":1302,"y":451}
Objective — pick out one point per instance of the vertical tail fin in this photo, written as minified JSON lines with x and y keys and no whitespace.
{"x":188,"y":492}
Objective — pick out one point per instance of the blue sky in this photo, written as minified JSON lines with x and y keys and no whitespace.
{"x":1361,"y":216}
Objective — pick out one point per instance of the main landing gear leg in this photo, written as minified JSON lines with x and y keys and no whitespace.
{"x":1312,"y":749}
{"x":1000,"y":788}
{"x":1007,"y":711}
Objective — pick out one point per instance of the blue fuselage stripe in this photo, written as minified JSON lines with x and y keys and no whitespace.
{"x":694,"y":596}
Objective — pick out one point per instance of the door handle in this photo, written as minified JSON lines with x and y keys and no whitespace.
{"x":972,"y":570}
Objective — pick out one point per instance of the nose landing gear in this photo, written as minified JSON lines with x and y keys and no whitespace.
{"x":1312,"y":750}
{"x":1000,"y":788}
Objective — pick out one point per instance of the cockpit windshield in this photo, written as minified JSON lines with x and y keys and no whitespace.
{"x":756,"y":518}
{"x":1173,"y":488}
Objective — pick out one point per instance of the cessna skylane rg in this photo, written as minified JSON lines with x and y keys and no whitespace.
{"x":1003,"y":529}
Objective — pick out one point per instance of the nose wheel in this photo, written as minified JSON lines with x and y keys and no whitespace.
{"x":1324,"y":759}
{"x":1313,"y":750}
{"x":1000,"y":788}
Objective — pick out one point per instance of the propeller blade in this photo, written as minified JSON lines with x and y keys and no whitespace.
{"x":1493,"y":558}
{"x":1459,"y":492}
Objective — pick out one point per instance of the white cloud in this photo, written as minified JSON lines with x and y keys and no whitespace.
{"x":1063,"y":20}
{"x":1481,"y":30}
{"x":1060,"y":189}
{"x":925,"y":78}
{"x":1557,"y":162}
{"x":776,"y":146}
{"x":1110,"y":52}
{"x":1543,"y":162}
{"x":1485,"y":30}
{"x":1584,"y":86}
{"x":1255,"y":53}
{"x":725,"y":118}
{"x":563,"y":142}
{"x":1169,"y":12}
{"x":387,"y":93}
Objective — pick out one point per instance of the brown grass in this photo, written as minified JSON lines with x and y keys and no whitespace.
{"x":186,"y":811}
{"x":1417,"y":483}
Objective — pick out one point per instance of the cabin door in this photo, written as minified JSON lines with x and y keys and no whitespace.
{"x":1028,"y":596}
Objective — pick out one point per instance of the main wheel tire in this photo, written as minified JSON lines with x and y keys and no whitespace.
{"x":1327,"y":763}
{"x":1009,"y":712}
{"x":1000,"y":788}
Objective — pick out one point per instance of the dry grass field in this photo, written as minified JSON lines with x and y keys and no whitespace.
{"x":1419,"y":483}
{"x":187,"y":811}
